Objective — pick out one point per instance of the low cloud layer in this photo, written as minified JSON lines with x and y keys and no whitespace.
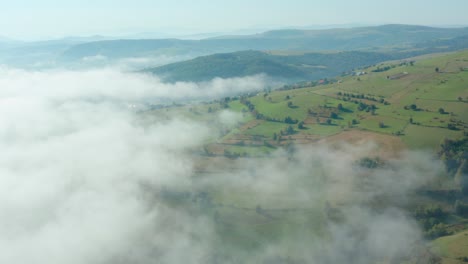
{"x":111,"y":84}
{"x":131,"y":63}
{"x":83,"y":179}
{"x":72,"y":168}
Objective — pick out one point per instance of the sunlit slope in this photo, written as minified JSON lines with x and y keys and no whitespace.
{"x":411,"y":103}
{"x":427,"y":99}
{"x":452,"y":249}
{"x":386,"y":37}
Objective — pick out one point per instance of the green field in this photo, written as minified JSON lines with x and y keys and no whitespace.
{"x":421,"y":86}
{"x":427,"y":138}
{"x":407,"y":106}
{"x":452,"y":249}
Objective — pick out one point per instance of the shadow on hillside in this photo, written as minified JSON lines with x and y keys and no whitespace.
{"x":346,"y":110}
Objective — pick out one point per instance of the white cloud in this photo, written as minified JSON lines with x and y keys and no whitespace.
{"x":111,"y":84}
{"x":83,"y":178}
{"x":72,"y":167}
{"x":229,"y":118}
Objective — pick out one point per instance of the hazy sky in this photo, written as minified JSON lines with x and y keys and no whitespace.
{"x":55,"y":18}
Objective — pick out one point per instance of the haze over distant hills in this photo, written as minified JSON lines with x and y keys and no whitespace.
{"x":83,"y":52}
{"x":364,"y":38}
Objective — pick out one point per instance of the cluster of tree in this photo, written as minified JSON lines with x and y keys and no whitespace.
{"x":411,"y":121}
{"x":272,"y":119}
{"x":348,"y":97}
{"x":290,"y":120}
{"x":287,"y":120}
{"x":340,"y":107}
{"x":461,"y":208}
{"x":358,"y":102}
{"x":406,"y":63}
{"x":301,"y":125}
{"x":455,"y":124}
{"x":429,"y":211}
{"x":306,"y":84}
{"x":368,"y":108}
{"x":351,"y":95}
{"x":431,"y":219}
{"x":288,"y":131}
{"x":436,"y":230}
{"x":371,"y":163}
{"x":388,"y":67}
{"x":247,"y":103}
{"x":452,"y":126}
{"x":383,"y":69}
{"x":224,"y":103}
{"x":412,"y":107}
{"x":454,"y":154}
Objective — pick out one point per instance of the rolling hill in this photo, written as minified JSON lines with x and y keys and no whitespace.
{"x":294,"y":66}
{"x":407,"y":101}
{"x":228,"y":65}
{"x":289,"y":68}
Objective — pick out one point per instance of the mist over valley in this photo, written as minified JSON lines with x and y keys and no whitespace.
{"x":293,"y":145}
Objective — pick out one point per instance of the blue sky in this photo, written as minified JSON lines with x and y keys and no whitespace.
{"x":57,"y":18}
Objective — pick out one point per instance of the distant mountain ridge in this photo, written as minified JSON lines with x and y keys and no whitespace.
{"x":94,"y":51}
{"x":362,"y":38}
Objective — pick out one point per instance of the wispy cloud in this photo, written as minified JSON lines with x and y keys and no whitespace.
{"x":84,"y":180}
{"x":112,"y":84}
